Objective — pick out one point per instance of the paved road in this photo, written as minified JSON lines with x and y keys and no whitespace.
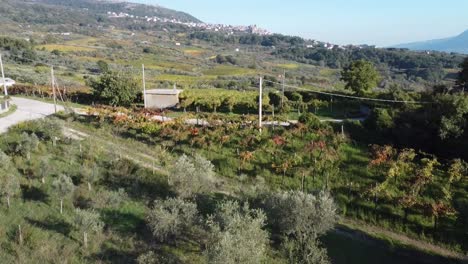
{"x":27,"y":110}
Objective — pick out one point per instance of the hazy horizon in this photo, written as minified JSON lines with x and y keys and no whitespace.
{"x":337,"y":21}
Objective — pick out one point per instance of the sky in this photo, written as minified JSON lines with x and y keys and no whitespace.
{"x":373,"y":22}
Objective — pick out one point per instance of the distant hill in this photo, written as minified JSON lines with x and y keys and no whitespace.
{"x":65,"y":12}
{"x":457,"y":44}
{"x":123,"y":6}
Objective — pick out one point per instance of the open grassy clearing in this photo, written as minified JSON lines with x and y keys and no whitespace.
{"x":66,"y":48}
{"x":229,"y":70}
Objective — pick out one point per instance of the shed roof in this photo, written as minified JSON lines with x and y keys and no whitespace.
{"x":164,"y":91}
{"x":8,"y":81}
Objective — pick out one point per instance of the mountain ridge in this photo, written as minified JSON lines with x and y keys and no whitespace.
{"x":458,"y":44}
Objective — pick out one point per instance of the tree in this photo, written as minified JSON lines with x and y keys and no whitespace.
{"x":87,"y":221}
{"x":310,"y":253}
{"x":463,"y":75}
{"x":170,"y":218}
{"x":237,"y":235}
{"x":380,"y":120}
{"x":453,"y":111}
{"x":64,"y":186}
{"x":9,"y":180}
{"x":28,"y":144}
{"x":44,"y":169}
{"x":361,"y":77}
{"x":191,"y":176}
{"x":300,"y":218}
{"x":90,"y":172}
{"x":115,"y":88}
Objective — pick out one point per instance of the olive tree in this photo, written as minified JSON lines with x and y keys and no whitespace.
{"x":63,"y":186}
{"x":90,"y":173}
{"x":301,"y":218}
{"x":190,"y":176}
{"x":27,"y":144}
{"x":9,"y":179}
{"x":170,"y":218}
{"x":87,"y":221}
{"x":237,"y":235}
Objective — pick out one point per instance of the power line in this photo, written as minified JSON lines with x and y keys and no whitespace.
{"x":350,"y":96}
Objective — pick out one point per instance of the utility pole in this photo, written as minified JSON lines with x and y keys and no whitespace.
{"x":144,"y":86}
{"x":5,"y":91}
{"x":282,"y":88}
{"x":260,"y":105}
{"x":53,"y":87}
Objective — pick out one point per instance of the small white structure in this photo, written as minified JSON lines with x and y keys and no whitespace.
{"x":162,"y":98}
{"x":4,"y":106}
{"x":8,"y":82}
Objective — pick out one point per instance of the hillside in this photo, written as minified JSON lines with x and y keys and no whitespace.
{"x":82,"y":32}
{"x":457,"y":44}
{"x":85,"y":12}
{"x":338,"y":164}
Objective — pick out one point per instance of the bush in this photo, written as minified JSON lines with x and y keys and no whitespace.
{"x":380,"y":119}
{"x":310,"y":120}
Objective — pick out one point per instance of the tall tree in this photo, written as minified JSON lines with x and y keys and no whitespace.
{"x":361,"y":77}
{"x":115,"y":88}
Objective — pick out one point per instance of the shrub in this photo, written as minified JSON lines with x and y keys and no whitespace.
{"x":310,"y":120}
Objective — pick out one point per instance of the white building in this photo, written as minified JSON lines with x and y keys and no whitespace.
{"x":9,"y":82}
{"x":162,"y":98}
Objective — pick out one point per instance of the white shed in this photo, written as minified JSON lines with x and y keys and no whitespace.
{"x":9,"y":82}
{"x":162,"y":98}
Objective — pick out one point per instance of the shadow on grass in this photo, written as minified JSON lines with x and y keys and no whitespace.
{"x":32,"y":193}
{"x":207,"y":203}
{"x":114,"y":255}
{"x":126,"y":223}
{"x":140,"y":183}
{"x":348,"y":246}
{"x":54,"y":224}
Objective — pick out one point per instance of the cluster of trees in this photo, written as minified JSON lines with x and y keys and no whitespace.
{"x":229,"y":59}
{"x":429,"y":67}
{"x":20,"y":50}
{"x":247,"y":39}
{"x":17,"y":161}
{"x":440,"y":121}
{"x":237,"y":231}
